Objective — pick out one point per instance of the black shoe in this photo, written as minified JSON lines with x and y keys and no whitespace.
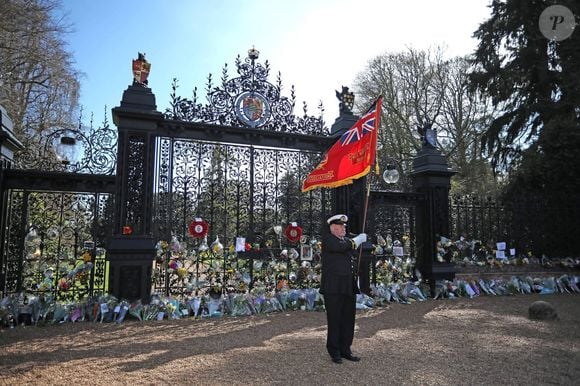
{"x":337,"y":360}
{"x":350,"y":357}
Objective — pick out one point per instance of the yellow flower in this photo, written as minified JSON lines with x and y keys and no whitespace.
{"x":86,"y":257}
{"x":181,"y":272}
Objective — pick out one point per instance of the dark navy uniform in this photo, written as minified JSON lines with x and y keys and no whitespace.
{"x":338,"y":284}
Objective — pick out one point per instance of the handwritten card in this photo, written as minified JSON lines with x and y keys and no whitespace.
{"x":240,"y":244}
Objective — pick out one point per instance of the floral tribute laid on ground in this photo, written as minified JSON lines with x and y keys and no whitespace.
{"x":211,"y":283}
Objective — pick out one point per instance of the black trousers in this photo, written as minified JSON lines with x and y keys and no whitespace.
{"x":340,"y":315}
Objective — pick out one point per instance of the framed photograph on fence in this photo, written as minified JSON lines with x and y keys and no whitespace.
{"x":306,"y":252}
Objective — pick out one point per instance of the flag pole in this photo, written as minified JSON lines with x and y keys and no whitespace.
{"x":368,"y":186}
{"x":366,"y":205}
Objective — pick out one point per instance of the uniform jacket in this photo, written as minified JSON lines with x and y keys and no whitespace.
{"x":338,"y":266}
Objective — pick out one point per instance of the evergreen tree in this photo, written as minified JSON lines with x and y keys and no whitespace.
{"x":536,"y":136}
{"x":530,"y":78}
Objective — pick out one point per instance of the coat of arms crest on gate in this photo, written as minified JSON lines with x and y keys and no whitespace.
{"x":252,"y":109}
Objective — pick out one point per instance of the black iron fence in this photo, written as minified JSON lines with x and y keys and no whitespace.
{"x":528,"y":224}
{"x":54,"y":243}
{"x":477,"y":218}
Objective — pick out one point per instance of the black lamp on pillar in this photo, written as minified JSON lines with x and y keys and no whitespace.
{"x":66,"y":149}
{"x":391,"y":174}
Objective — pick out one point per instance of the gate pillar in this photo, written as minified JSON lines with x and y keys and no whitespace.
{"x":130,"y":264}
{"x":347,"y":199}
{"x":432,"y":177}
{"x":131,"y":250}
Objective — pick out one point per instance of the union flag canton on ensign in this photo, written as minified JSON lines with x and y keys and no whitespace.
{"x":367,"y":126}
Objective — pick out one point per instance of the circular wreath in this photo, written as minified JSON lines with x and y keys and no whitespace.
{"x":293,"y":232}
{"x":198,"y":228}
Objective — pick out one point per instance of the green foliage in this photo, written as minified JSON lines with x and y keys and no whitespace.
{"x":475,"y":178}
{"x":532,"y":80}
{"x":536,"y":135}
{"x":545,"y":189}
{"x":551,"y":166}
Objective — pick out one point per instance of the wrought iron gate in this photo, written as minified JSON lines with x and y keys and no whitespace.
{"x":57,"y":216}
{"x":238,"y":163}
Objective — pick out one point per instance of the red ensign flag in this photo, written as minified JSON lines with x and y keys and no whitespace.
{"x":351,"y":157}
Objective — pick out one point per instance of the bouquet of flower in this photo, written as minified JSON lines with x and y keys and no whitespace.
{"x":397,"y":294}
{"x":151,"y":311}
{"x":214,"y":306}
{"x":76,"y":313}
{"x":179,"y":309}
{"x":440,"y":290}
{"x":60,"y":313}
{"x":121,"y":311}
{"x":525,"y":285}
{"x":479,"y":287}
{"x":569,"y":284}
{"x":240,"y":305}
{"x":575,"y":283}
{"x":474,"y":287}
{"x":294,"y":301}
{"x":549,"y":286}
{"x":301,"y":300}
{"x":258,"y":302}
{"x":311,"y":295}
{"x":275,"y":304}
{"x":194,"y":305}
{"x":380,"y":293}
{"x":463,"y":288}
{"x":411,"y":290}
{"x":108,"y":303}
{"x":136,"y":310}
{"x":250,"y":303}
{"x":513,"y":286}
{"x":498,"y":287}
{"x":282,"y":297}
{"x":34,"y":304}
{"x":319,"y":302}
{"x":446,"y":250}
{"x":7,"y":317}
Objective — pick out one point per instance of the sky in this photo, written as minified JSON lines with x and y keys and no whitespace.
{"x":317,"y":45}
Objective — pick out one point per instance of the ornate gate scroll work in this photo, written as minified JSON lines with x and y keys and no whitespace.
{"x":248,"y":100}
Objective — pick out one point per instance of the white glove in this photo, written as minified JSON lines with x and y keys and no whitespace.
{"x":358,"y":240}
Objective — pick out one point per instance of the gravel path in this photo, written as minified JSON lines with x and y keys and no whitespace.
{"x":485,"y":340}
